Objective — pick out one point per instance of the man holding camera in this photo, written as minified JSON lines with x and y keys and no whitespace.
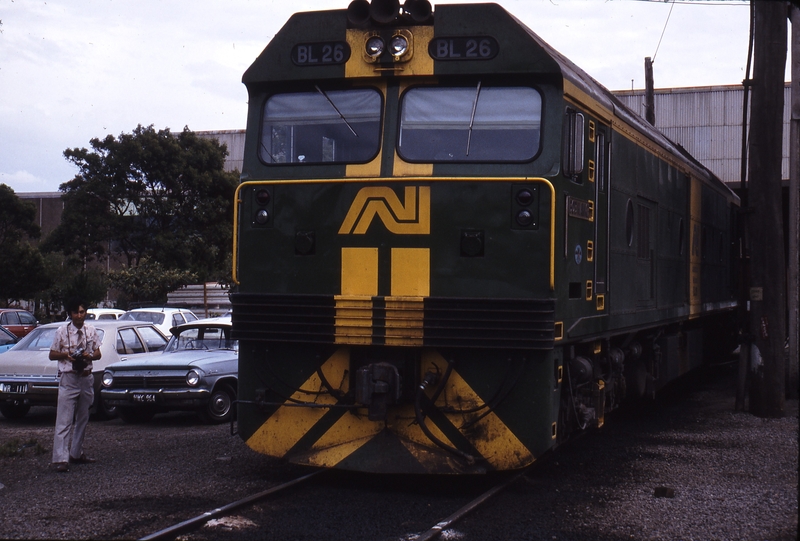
{"x":75,"y":346}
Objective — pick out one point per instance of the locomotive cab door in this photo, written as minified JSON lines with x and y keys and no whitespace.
{"x":645,"y":221}
{"x":599,"y":256}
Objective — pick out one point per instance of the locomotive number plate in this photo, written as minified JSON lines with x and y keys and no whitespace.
{"x":464,"y":48}
{"x":321,"y":53}
{"x":577,"y":208}
{"x":144,"y":397}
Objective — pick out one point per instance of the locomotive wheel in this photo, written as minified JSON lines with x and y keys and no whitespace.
{"x":220,"y":405}
{"x":14,"y":410}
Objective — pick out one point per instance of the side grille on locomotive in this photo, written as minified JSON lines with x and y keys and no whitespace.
{"x":426,"y":321}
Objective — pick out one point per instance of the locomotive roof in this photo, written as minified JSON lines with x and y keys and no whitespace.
{"x":516,"y":56}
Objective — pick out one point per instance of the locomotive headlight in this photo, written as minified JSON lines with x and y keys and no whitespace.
{"x":262,"y":197}
{"x":262,"y":216}
{"x":524,"y":218}
{"x":398,"y":46}
{"x":193,"y":378}
{"x":524,"y":197}
{"x":375,"y":47}
{"x":108,"y":379}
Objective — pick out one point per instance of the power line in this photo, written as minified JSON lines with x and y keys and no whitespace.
{"x":664,"y":30}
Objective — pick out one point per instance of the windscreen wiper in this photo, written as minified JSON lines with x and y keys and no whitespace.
{"x":336,"y":109}
{"x":472,"y":117}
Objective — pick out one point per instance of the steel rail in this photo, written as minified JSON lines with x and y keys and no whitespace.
{"x":445,"y":524}
{"x":170,"y":532}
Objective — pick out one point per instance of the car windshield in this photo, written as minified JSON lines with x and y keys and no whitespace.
{"x":40,"y":339}
{"x":202,"y":338}
{"x":323,"y":126}
{"x":470,"y":124}
{"x":156,"y":318}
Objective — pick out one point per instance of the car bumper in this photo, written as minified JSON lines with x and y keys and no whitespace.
{"x":159,"y":398}
{"x":30,"y":390}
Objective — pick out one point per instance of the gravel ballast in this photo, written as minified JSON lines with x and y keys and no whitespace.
{"x":688,"y":468}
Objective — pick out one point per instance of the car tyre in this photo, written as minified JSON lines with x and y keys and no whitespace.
{"x":220,"y":406}
{"x":135,"y":415}
{"x":102,"y":411}
{"x":14,"y":410}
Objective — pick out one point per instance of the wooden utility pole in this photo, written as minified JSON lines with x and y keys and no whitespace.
{"x":793,"y":380}
{"x":767,"y":262}
{"x":649,"y":93}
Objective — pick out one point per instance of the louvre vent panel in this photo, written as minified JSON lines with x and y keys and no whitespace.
{"x":428,"y":321}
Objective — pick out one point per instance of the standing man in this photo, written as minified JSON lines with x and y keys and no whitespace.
{"x":75,"y":346}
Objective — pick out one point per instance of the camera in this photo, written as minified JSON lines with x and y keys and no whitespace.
{"x":79,"y":364}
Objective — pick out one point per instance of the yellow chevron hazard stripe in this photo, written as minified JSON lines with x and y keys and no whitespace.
{"x":342,"y":439}
{"x":497,"y":443}
{"x":284,"y":428}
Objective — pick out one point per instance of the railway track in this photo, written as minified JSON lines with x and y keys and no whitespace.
{"x":171,"y":532}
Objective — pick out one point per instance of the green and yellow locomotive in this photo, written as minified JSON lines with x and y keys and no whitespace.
{"x":453,"y":247}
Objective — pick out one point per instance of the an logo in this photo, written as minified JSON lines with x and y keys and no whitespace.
{"x":411,"y":218}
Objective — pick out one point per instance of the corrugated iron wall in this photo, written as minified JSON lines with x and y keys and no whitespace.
{"x":707,"y":122}
{"x":234,"y":139}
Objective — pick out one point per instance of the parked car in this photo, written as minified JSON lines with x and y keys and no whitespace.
{"x":103,"y":313}
{"x":29,"y":378}
{"x":198,"y":371}
{"x":19,"y":322}
{"x":7,"y":340}
{"x":163,"y":318}
{"x":95,"y":314}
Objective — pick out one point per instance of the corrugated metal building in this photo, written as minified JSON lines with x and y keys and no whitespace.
{"x":234,"y":140}
{"x":707,"y":121}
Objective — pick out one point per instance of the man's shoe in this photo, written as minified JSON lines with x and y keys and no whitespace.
{"x":82,"y":460}
{"x":61,"y":467}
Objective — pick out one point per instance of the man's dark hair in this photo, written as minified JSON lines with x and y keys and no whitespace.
{"x":74,"y":304}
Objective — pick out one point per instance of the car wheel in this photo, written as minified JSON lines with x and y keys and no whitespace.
{"x":14,"y":410}
{"x":135,"y":415}
{"x":219,"y":408}
{"x":102,"y":411}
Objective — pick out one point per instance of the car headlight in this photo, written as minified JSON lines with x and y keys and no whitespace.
{"x":108,"y":379}
{"x":193,"y":378}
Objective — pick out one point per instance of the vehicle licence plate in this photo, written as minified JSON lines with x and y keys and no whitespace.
{"x":144,"y":397}
{"x":14,"y":388}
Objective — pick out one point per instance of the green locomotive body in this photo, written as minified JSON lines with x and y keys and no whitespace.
{"x":453,"y":247}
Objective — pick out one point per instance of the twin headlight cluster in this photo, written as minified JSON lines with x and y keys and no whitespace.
{"x":193,"y":378}
{"x":398,"y":46}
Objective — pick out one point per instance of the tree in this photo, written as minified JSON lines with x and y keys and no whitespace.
{"x":22,"y":269}
{"x":150,"y":194}
{"x":150,"y":281}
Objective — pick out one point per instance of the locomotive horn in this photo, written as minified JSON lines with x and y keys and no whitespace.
{"x":419,"y":10}
{"x":358,"y":12}
{"x":384,"y":11}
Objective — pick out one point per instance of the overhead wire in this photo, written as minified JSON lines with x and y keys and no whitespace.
{"x":671,"y":7}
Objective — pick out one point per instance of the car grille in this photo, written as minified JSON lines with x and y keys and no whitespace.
{"x":148,"y":382}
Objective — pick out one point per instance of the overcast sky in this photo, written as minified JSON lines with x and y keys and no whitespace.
{"x":71,"y":70}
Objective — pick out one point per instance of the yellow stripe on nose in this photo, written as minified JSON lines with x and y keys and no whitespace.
{"x":284,"y":428}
